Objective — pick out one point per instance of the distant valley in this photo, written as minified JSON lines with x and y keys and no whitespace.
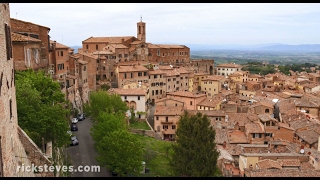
{"x":273,"y":53}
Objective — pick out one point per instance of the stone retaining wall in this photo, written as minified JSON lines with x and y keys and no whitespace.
{"x":149,"y":133}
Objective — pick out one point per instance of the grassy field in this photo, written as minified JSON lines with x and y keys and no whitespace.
{"x":159,"y":166}
{"x":140,"y":125}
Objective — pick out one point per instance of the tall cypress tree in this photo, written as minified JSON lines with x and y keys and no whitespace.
{"x":194,"y":153}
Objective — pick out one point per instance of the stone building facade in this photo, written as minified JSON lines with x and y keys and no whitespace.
{"x":35,"y":31}
{"x":12,"y":151}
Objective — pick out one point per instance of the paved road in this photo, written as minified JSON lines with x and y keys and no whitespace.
{"x":150,"y":117}
{"x":84,"y":154}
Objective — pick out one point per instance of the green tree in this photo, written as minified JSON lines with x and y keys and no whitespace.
{"x":106,"y":123}
{"x":105,"y":87}
{"x":120,"y":151}
{"x":101,"y":101}
{"x":195,"y":153}
{"x":41,"y":113}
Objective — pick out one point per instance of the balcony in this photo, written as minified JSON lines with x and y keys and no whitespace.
{"x":167,"y":121}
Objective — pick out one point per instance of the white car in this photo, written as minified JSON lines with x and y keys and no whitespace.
{"x":74,"y":120}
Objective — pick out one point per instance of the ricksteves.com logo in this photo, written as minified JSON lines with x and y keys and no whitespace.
{"x":46,"y":168}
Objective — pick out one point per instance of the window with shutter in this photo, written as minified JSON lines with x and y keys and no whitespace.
{"x":29,"y":57}
{"x":36,"y":55}
{"x":8,"y":42}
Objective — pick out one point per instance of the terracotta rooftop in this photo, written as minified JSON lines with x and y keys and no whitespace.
{"x":114,"y":39}
{"x":224,"y":154}
{"x":13,"y":19}
{"x":59,"y":45}
{"x":309,"y":136}
{"x":213,"y":78}
{"x":268,"y":164}
{"x":229,"y":65}
{"x":254,"y":76}
{"x":170,"y":111}
{"x":286,"y":105}
{"x":282,"y":173}
{"x":135,"y":68}
{"x":314,"y":74}
{"x":221,"y":136}
{"x":128,"y":92}
{"x":211,"y":102}
{"x":15,"y":37}
{"x":211,"y":113}
{"x":166,"y":99}
{"x":242,"y":118}
{"x":136,"y":42}
{"x":301,"y":123}
{"x":186,"y":94}
{"x":237,"y":137}
{"x":289,"y":162}
{"x":170,"y":46}
{"x":201,"y":74}
{"x":254,"y":128}
{"x":118,"y":46}
{"x":304,"y":103}
{"x":266,"y":117}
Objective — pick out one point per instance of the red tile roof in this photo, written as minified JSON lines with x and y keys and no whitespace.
{"x":115,"y":39}
{"x":186,"y":94}
{"x":132,"y":92}
{"x":15,"y":37}
{"x":237,"y":137}
{"x":268,"y":164}
{"x":166,"y":110}
{"x":135,"y":68}
{"x":13,"y":19}
{"x":254,"y":128}
{"x":213,"y":78}
{"x":229,"y":65}
{"x":59,"y":45}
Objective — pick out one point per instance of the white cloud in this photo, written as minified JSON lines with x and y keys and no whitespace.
{"x":196,"y":23}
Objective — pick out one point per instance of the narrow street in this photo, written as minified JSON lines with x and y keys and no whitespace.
{"x":84,"y":154}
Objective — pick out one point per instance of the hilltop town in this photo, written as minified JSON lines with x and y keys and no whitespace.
{"x":266,"y":126}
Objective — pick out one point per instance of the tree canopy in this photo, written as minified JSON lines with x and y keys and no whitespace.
{"x":118,"y":149}
{"x":194,"y":153}
{"x":101,"y":101}
{"x":41,"y":108}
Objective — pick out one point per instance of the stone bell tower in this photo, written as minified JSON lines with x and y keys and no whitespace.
{"x":141,"y":30}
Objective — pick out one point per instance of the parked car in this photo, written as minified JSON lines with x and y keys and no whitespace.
{"x":81,"y":117}
{"x":74,"y":120}
{"x":74,"y":127}
{"x":74,"y":141}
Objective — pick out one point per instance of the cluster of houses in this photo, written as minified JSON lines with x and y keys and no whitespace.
{"x":265,"y":125}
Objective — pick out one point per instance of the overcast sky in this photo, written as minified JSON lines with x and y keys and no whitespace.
{"x":178,"y":23}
